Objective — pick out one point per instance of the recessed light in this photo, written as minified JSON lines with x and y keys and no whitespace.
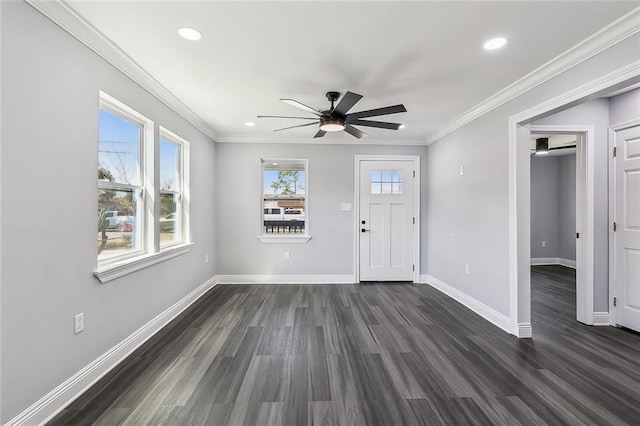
{"x":274,"y":164}
{"x":401,"y":126}
{"x":189,"y":33}
{"x":495,"y":43}
{"x":249,"y":124}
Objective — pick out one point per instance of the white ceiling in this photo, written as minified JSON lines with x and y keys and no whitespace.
{"x":426,"y":55}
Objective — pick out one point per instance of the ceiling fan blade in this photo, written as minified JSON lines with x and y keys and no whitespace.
{"x":283,"y":116}
{"x":297,"y":104}
{"x":375,"y":112}
{"x":354,"y":132}
{"x":320,"y":134}
{"x":293,"y":127}
{"x":346,"y":103}
{"x":562,"y":147}
{"x":379,"y":124}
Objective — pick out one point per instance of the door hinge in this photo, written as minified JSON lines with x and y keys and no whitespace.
{"x":414,"y":173}
{"x":615,"y":226}
{"x":615,"y":301}
{"x":414,"y":220}
{"x":577,"y":235}
{"x":413,"y":268}
{"x":615,"y":151}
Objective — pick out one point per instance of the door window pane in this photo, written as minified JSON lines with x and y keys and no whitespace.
{"x":386,"y":182}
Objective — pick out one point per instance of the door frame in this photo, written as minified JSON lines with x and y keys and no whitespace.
{"x":585,"y":213}
{"x":358,"y":158}
{"x":520,"y":185}
{"x":613,"y":285}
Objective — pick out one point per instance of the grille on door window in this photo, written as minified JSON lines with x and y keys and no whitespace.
{"x":386,"y":182}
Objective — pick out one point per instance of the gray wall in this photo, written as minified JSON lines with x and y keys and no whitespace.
{"x":330,"y":182}
{"x":50,"y":85}
{"x":624,"y":107}
{"x":475,"y":207}
{"x":553,"y":207}
{"x":567,"y":231}
{"x":545,"y":206}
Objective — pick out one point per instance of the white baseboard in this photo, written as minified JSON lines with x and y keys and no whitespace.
{"x":553,"y":261}
{"x":56,"y":400}
{"x":524,"y":331}
{"x":500,"y":320}
{"x":601,"y":318}
{"x":285,"y":279}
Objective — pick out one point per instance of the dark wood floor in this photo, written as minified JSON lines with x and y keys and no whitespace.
{"x":377,"y":354}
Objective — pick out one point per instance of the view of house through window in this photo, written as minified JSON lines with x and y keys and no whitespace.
{"x":119,"y":184}
{"x":284,"y":196}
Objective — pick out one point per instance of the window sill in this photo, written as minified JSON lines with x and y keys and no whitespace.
{"x":300,"y":239}
{"x":119,"y":269}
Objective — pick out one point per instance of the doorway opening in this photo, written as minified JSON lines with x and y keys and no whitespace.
{"x":520,"y":191}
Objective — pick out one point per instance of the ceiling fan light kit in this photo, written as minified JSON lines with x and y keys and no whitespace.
{"x":337,"y":117}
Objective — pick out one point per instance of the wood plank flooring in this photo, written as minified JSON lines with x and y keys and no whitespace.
{"x":370,"y":354}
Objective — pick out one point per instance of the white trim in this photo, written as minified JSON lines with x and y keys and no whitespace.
{"x":567,"y":263}
{"x":301,"y":239}
{"x":128,"y":266}
{"x":601,"y":318}
{"x":358,"y":158}
{"x":625,"y":124}
{"x":262,"y":139}
{"x":75,"y":24}
{"x":519,"y":279}
{"x":619,"y":30}
{"x":486,"y":312}
{"x":553,"y":261}
{"x":545,"y":261}
{"x":55,"y":401}
{"x":524,"y":330}
{"x":285,"y":279}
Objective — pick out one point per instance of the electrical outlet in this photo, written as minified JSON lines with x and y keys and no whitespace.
{"x":544,"y":244}
{"x":79,"y":323}
{"x":206,"y":258}
{"x":461,"y":170}
{"x":466,"y":269}
{"x":286,"y":255}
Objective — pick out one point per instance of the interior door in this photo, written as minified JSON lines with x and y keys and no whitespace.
{"x":627,"y":234}
{"x":386,"y":226}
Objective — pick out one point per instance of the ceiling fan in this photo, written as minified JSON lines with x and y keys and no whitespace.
{"x":542,"y":147}
{"x":337,"y":118}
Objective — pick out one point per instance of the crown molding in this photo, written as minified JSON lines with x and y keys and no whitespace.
{"x":72,"y":22}
{"x":617,"y":31}
{"x":291,"y":140}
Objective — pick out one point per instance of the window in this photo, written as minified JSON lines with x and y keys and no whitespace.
{"x":137,"y":225}
{"x":386,"y":181}
{"x":284,"y":199}
{"x":171,"y":223}
{"x":121,"y":193}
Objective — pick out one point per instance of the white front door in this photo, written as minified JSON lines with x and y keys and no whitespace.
{"x":627,"y":234}
{"x":386,"y":223}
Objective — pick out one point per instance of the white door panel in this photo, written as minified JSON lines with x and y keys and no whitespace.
{"x":627,"y":235}
{"x":386,"y":225}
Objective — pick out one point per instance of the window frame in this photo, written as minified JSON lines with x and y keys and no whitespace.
{"x":284,"y":238}
{"x":183,"y":192}
{"x":149,"y":205}
{"x":145,"y":138}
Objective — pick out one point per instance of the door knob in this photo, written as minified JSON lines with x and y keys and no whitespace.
{"x":365,"y":230}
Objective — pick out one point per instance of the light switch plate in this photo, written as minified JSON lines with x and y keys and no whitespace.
{"x":345,"y":207}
